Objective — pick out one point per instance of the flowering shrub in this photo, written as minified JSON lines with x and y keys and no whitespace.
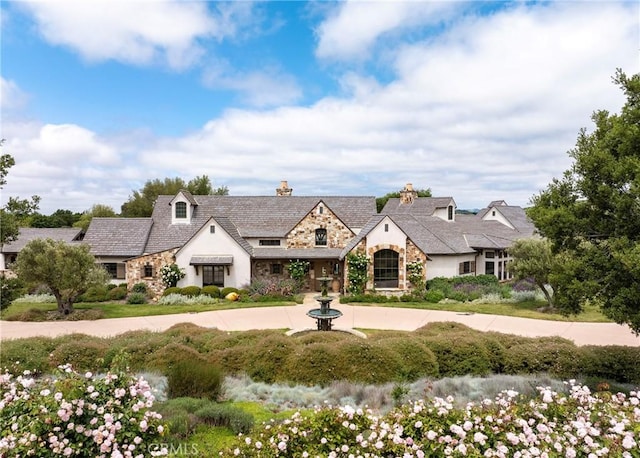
{"x":180,"y":299}
{"x":554,"y":425}
{"x":73,"y":414}
{"x":415,"y":273}
{"x":171,"y":274}
{"x":357,"y":272}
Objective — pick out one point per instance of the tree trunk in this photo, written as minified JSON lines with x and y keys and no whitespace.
{"x":65,"y":306}
{"x":547,"y":295}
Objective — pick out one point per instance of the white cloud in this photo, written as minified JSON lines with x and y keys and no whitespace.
{"x":486,"y":110}
{"x":12,"y":98}
{"x":267,"y":87}
{"x":355,"y":26}
{"x":137,"y":32}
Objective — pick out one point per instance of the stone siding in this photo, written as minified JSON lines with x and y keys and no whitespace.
{"x":304,"y":234}
{"x":415,"y":254}
{"x":401,"y":262}
{"x":136,"y":268}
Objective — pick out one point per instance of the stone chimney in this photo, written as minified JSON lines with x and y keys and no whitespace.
{"x":408,"y":194}
{"x":284,"y":189}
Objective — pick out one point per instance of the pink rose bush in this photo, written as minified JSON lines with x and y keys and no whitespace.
{"x":73,"y":414}
{"x":577,"y":424}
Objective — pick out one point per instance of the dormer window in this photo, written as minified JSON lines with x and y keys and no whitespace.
{"x":181,"y":210}
{"x":450,"y":213}
{"x":321,"y":237}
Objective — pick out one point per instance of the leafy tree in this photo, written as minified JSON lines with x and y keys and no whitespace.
{"x":382,"y":201}
{"x":592,"y":214}
{"x":140,"y":204}
{"x":98,"y":210}
{"x":59,"y":218}
{"x":533,"y":258}
{"x":68,"y":270}
{"x":17,"y":211}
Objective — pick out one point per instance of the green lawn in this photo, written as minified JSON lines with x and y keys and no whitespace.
{"x":526,"y":309}
{"x":118,"y":310}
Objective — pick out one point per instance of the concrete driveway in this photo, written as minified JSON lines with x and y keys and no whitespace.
{"x":354,"y":316}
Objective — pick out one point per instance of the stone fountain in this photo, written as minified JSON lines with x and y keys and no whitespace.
{"x":325,"y":314}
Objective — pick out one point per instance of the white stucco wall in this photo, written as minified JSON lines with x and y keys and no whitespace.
{"x":494,"y":215}
{"x":204,"y":243}
{"x":393,"y":236}
{"x":447,"y":265}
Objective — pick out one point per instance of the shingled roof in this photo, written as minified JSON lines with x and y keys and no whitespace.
{"x":27,"y":234}
{"x":419,"y":206}
{"x":118,"y":236}
{"x":435,"y":236}
{"x":254,"y":217}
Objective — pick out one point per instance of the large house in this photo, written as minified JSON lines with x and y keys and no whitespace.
{"x":230,"y":241}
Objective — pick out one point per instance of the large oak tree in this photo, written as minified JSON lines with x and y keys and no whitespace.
{"x":592,"y":215}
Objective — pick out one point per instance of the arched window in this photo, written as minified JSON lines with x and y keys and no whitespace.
{"x":181,"y":210}
{"x":450,"y":212}
{"x":385,"y":269}
{"x":321,"y":237}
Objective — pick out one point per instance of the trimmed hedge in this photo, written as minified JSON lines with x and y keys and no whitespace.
{"x":190,"y":291}
{"x":117,"y":294}
{"x":211,"y":290}
{"x":172,"y":290}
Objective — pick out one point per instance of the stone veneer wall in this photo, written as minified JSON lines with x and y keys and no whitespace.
{"x":360,"y":248}
{"x":135,"y":270}
{"x":304,"y":234}
{"x":415,"y":254}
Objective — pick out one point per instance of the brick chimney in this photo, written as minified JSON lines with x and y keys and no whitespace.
{"x":408,"y":194}
{"x":284,"y":189}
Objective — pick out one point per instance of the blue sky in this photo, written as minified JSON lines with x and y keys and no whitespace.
{"x":475,"y":100}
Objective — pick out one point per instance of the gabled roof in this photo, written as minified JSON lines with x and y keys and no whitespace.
{"x":118,"y":236}
{"x":254,"y":217}
{"x":27,"y":234}
{"x":419,"y":206}
{"x":187,"y":195}
{"x":227,"y":225}
{"x":435,"y":236}
{"x":514,"y":214}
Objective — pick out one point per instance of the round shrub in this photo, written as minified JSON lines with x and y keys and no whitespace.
{"x":434,"y":296}
{"x":211,"y":290}
{"x":417,"y":360}
{"x":137,"y":298}
{"x":170,"y":355}
{"x":190,"y":291}
{"x":239,"y":421}
{"x":117,"y":294}
{"x":611,"y":362}
{"x":140,"y":288}
{"x":137,"y":345}
{"x":85,"y":355}
{"x":95,"y":294}
{"x":27,"y":354}
{"x":194,"y":378}
{"x":266,"y":362}
{"x":464,"y":355}
{"x":225,"y":291}
{"x":436,"y":328}
{"x":558,"y":358}
{"x":171,"y":290}
{"x":363,"y":362}
{"x":316,"y":364}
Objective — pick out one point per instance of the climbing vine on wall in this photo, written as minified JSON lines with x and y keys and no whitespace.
{"x":415,"y":273}
{"x":357,"y":272}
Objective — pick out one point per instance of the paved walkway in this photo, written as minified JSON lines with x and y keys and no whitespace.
{"x":354,"y":316}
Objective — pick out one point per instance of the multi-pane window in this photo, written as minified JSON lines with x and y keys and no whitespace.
{"x":148,"y":270}
{"x":115,"y":269}
{"x":321,"y":237}
{"x":267,"y":242}
{"x":181,"y":210}
{"x":490,"y":268}
{"x":385,"y":269}
{"x":213,"y":275}
{"x":450,"y":212}
{"x":467,"y":267}
{"x":276,"y":268}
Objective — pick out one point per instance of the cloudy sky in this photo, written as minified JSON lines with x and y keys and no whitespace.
{"x":475,"y":100}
